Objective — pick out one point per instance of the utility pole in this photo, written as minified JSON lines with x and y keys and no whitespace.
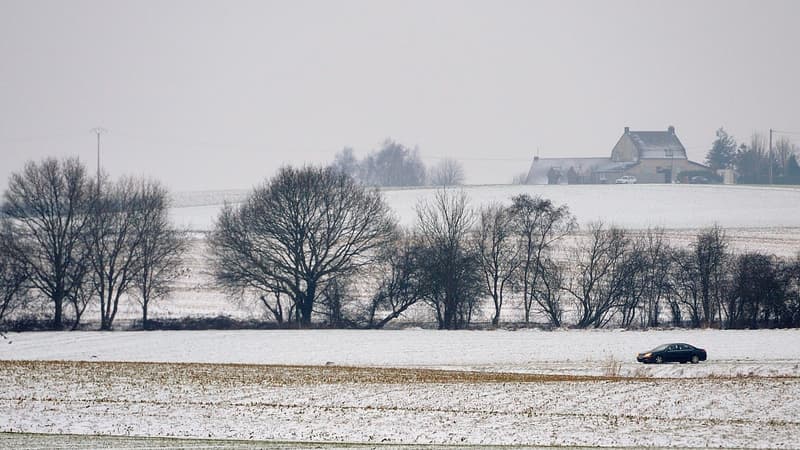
{"x":98,"y":131}
{"x":770,"y":156}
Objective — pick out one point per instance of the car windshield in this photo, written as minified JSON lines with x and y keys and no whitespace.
{"x":659,"y":348}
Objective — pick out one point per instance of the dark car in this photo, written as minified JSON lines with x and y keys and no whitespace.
{"x":699,"y":179}
{"x":681,"y":353}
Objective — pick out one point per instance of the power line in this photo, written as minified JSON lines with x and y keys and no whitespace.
{"x":39,"y":138}
{"x":477,"y":159}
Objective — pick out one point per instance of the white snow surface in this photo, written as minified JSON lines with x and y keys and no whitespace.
{"x":746,"y":396}
{"x":673,"y":206}
{"x":755,"y":413}
{"x":731,"y":352}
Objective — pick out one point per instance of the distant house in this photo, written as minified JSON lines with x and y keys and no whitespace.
{"x":650,"y":156}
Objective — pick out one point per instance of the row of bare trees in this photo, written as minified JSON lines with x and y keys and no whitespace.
{"x":313,"y":244}
{"x":310,"y":239}
{"x":73,"y":241}
{"x":610,"y":275}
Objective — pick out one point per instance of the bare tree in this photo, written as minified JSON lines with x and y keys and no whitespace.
{"x":498,"y":252}
{"x":547,"y":293}
{"x":699,"y":277}
{"x":133,"y":248}
{"x":645,"y":281}
{"x":13,"y":274}
{"x":297,"y":232}
{"x":336,"y":300}
{"x":658,"y":258}
{"x":400,"y":283}
{"x":112,"y":239}
{"x":598,"y":282}
{"x":49,"y":204}
{"x":540,"y":225}
{"x":450,"y":266}
{"x":752,"y":160}
{"x":239,"y":264}
{"x":784,"y":149}
{"x":635,"y":282}
{"x":449,"y":172}
{"x":272,"y":302}
{"x":161,"y":249}
{"x":756,"y":292}
{"x":80,"y":299}
{"x":685,"y":288}
{"x":710,"y":251}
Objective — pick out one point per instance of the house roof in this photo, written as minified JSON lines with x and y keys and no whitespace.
{"x":616,"y":166}
{"x":658,"y":144}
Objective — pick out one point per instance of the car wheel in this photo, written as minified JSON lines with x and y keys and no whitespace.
{"x":695,"y":359}
{"x":659,"y":359}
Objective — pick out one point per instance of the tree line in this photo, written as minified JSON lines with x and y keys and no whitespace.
{"x":313,"y":245}
{"x":754,"y":161}
{"x":395,"y":165}
{"x":69,"y":241}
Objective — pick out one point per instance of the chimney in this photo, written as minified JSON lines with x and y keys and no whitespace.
{"x":627,"y":130}
{"x":671,"y":129}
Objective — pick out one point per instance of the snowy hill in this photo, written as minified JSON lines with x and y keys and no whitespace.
{"x":633,"y":206}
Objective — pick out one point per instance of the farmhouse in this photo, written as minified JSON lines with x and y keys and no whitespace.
{"x":650,"y":156}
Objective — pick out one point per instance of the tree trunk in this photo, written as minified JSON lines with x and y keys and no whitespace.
{"x":385,"y":320}
{"x":105,"y":319}
{"x":144,"y":314}
{"x":77,"y":316}
{"x":449,"y":316}
{"x":59,"y":302}
{"x":496,"y":318}
{"x":497,"y":303}
{"x":525,"y":295}
{"x":308,"y":303}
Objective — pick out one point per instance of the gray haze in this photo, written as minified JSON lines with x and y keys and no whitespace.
{"x":215,"y":95}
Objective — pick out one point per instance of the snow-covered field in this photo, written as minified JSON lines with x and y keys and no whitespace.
{"x":332,"y":404}
{"x":732,"y":353}
{"x":406,"y":387}
{"x":674,"y":206}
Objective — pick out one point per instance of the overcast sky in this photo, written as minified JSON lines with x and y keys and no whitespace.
{"x":219,"y":94}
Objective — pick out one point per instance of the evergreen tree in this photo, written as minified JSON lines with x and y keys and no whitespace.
{"x":792,"y":171}
{"x":722,"y":151}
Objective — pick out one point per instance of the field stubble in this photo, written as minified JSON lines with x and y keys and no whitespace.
{"x":390,"y":405}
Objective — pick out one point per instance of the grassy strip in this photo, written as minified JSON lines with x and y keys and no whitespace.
{"x":289,"y":375}
{"x":281,"y":375}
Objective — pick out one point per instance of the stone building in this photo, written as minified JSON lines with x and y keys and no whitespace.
{"x":650,"y":156}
